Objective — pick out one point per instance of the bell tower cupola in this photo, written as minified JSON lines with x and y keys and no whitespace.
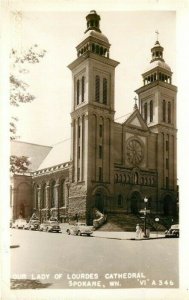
{"x":93,"y":41}
{"x":157,"y":96}
{"x":93,"y":21}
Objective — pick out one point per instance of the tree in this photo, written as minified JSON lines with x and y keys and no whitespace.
{"x":19,"y":94}
{"x":19,"y":164}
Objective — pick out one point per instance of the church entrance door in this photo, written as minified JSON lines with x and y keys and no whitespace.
{"x":22,"y":211}
{"x":168,"y":206}
{"x":135,"y":202}
{"x":99,"y":201}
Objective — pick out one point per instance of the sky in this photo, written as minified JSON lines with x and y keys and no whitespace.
{"x":131,"y":34}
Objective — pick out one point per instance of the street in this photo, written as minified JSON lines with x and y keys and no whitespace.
{"x":56,"y":260}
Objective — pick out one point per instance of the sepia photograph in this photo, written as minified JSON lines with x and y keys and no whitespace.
{"x":94,"y":207}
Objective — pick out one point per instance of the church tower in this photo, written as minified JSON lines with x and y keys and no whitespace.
{"x":157,"y":104}
{"x":92,"y":121}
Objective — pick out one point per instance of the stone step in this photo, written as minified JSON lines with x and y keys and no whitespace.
{"x":127,"y":222}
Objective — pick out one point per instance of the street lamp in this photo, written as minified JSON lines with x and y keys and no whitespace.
{"x":145,"y":212}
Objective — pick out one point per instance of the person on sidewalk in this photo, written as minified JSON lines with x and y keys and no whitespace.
{"x":138,"y":231}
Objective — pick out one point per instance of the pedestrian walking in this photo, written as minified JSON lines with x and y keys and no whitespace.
{"x":138,"y":231}
{"x":76,"y":217}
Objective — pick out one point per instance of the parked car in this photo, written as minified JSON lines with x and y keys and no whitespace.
{"x":80,"y":229}
{"x":33,"y":224}
{"x":19,"y":223}
{"x":173,"y":231}
{"x":50,"y":226}
{"x":26,"y":226}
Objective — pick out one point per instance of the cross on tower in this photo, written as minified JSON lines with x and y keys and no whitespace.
{"x":157,"y":33}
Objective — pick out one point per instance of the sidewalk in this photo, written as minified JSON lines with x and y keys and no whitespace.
{"x":123,"y":235}
{"x":118,"y":235}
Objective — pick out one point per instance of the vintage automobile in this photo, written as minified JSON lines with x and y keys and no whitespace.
{"x":19,"y":223}
{"x":173,"y":231}
{"x":80,"y":229}
{"x":26,"y":226}
{"x":50,"y":226}
{"x":33,"y":224}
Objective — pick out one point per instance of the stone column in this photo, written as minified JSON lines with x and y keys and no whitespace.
{"x":56,"y":195}
{"x":75,"y":158}
{"x":14,"y":192}
{"x":47,"y":196}
{"x":39,"y":197}
{"x":67,"y":184}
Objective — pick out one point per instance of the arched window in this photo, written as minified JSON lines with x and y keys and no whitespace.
{"x":169,"y":112}
{"x":164,"y":110}
{"x":120,"y":201}
{"x":101,"y":51}
{"x":100,"y":130}
{"x":62,"y":193}
{"x":120,"y":178}
{"x":78,"y":88}
{"x":124,"y":178}
{"x":83,"y":89}
{"x":53,"y":193}
{"x":116,"y":178}
{"x":104,"y":90}
{"x":151,"y":111}
{"x":145,"y":112}
{"x":136,"y":178}
{"x":93,"y":47}
{"x":97,"y":88}
{"x":97,"y":49}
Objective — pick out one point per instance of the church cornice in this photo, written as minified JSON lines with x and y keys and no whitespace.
{"x":167,"y":128}
{"x":92,"y":109}
{"x":92,"y":39}
{"x":52,"y":170}
{"x":89,"y":55}
{"x":136,"y":131}
{"x":154,"y":84}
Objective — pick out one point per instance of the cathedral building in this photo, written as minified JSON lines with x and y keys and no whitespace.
{"x":112,"y":166}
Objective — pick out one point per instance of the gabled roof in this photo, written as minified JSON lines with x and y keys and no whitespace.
{"x":136,"y":121}
{"x":36,"y":153}
{"x":59,"y":154}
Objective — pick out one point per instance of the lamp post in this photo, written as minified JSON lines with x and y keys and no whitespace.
{"x":145,"y":212}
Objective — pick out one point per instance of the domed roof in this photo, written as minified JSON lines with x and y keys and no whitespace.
{"x":157,"y":63}
{"x":97,"y":35}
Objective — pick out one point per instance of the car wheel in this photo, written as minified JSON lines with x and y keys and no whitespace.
{"x":68,"y":232}
{"x":79,"y":233}
{"x":88,"y":234}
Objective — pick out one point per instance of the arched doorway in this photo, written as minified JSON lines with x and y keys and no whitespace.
{"x":22,"y":211}
{"x":99,"y":201}
{"x":135,"y":201}
{"x":168,"y":206}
